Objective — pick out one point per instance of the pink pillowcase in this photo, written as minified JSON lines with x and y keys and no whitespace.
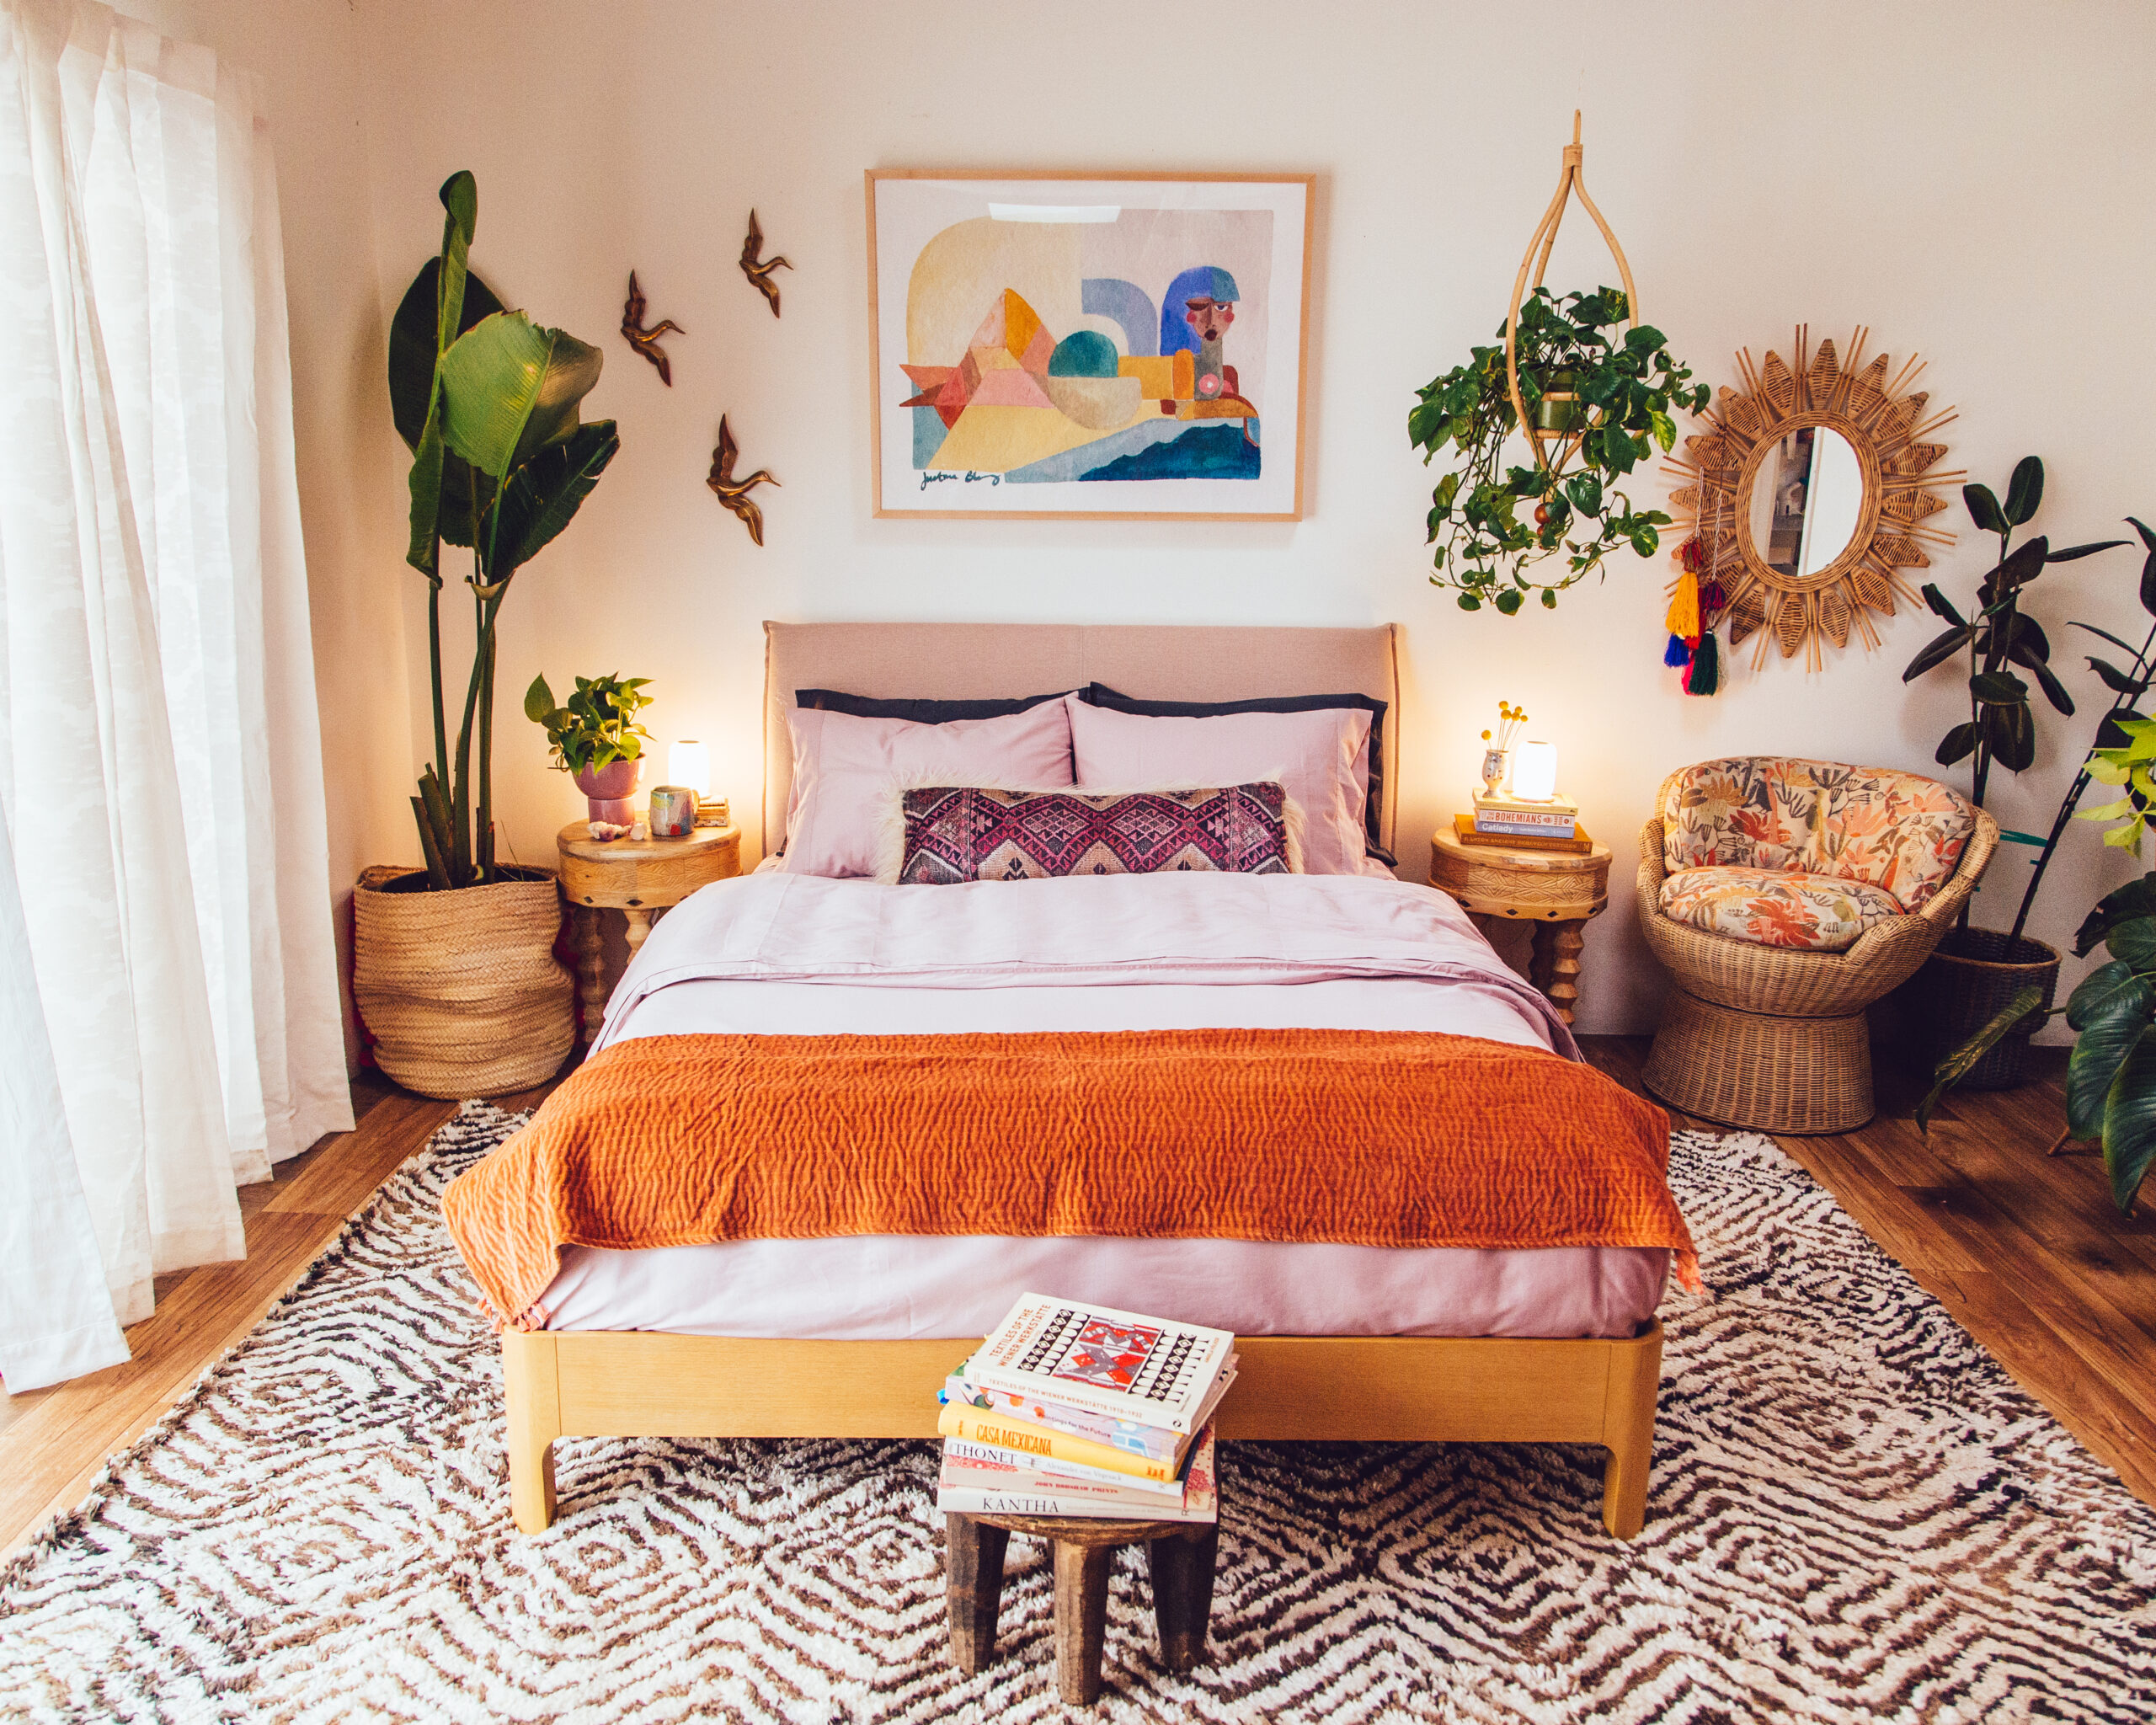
{"x":845,"y":768}
{"x":1314,"y":755}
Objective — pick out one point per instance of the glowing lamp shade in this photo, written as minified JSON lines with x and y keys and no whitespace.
{"x":1535,"y":773}
{"x":688,"y":762}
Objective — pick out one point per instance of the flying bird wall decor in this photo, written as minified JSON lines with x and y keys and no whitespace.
{"x":732,"y":492}
{"x":759,"y":272}
{"x":646,"y":341}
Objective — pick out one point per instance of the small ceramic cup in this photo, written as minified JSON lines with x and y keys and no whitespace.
{"x":673,"y":812}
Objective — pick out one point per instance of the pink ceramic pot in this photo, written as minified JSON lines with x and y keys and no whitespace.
{"x":607,"y":790}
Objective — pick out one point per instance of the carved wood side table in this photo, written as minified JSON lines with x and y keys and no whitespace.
{"x":640,"y":877}
{"x":1555,"y":891}
{"x":1180,"y":1557}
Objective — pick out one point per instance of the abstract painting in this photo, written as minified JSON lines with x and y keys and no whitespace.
{"x":1048,"y":346}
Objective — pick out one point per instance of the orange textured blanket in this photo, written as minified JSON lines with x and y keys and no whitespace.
{"x":1369,"y":1137}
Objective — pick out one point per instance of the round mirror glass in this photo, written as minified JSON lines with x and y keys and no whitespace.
{"x":1808,"y":493}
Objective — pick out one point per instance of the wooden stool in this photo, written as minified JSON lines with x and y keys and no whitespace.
{"x":1180,"y":1555}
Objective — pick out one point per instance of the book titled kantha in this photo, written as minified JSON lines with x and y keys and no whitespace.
{"x":1148,"y":1370}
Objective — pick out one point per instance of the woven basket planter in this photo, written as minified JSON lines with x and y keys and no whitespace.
{"x":1968,"y":980}
{"x":460,"y":990}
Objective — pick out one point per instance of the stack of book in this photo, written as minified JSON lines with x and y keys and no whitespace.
{"x":1068,"y":1409}
{"x":1501,"y":819}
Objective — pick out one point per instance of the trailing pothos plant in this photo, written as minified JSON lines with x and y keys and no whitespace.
{"x":489,"y":402}
{"x":2001,"y":726}
{"x":596,"y":726}
{"x":1627,"y":389}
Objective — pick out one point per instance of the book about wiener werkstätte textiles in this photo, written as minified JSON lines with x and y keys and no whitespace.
{"x":1157,"y":1442}
{"x":969,"y":1487}
{"x":1148,"y":1370}
{"x":1011,"y":1432}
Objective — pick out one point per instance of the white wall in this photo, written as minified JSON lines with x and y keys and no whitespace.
{"x":1972,"y":181}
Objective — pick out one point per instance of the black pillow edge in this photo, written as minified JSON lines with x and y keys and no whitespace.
{"x":1101,"y":695}
{"x":913,"y":711}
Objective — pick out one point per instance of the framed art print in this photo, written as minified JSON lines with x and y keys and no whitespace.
{"x":1063,"y":346}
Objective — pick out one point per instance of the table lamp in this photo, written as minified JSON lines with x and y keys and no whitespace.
{"x":1535,"y":773}
{"x":688,"y":762}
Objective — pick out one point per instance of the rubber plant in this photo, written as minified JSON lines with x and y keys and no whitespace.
{"x":2001,"y":727}
{"x":1627,"y":390}
{"x":489,"y":402}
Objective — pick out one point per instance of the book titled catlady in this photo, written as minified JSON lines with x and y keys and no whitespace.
{"x":1148,"y":1370}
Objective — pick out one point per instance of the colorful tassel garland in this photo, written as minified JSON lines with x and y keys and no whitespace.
{"x":1683,"y":619}
{"x":1677,"y":652}
{"x":1705,"y":676}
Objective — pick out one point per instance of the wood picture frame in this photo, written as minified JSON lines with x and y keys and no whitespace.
{"x":1053,"y":345}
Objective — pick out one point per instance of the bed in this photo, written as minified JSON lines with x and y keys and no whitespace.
{"x":846,"y":1336}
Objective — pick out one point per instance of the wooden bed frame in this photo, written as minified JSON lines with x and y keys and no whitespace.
{"x":1371,"y":1389}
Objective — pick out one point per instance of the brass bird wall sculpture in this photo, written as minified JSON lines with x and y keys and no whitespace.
{"x":646,"y":341}
{"x":759,"y":273}
{"x":732,"y":492}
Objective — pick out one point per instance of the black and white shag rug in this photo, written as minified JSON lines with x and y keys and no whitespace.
{"x":1855,"y":1515}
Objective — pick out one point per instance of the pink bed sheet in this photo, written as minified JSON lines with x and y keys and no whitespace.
{"x":764,"y":955}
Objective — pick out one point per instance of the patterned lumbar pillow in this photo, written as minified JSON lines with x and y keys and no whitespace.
{"x":942,"y":834}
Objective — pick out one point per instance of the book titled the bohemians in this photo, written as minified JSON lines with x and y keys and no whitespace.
{"x":1148,"y":1371}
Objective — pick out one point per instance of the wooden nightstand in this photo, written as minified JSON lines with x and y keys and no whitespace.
{"x":1557,"y":893}
{"x":639,"y":878}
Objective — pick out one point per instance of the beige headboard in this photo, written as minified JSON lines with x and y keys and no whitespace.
{"x":1004,"y":661}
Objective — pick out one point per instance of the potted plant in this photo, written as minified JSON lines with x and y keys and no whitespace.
{"x":595,"y":738}
{"x":1616,"y":395}
{"x":2110,"y":1077}
{"x":1974,"y":972}
{"x":453,"y":966}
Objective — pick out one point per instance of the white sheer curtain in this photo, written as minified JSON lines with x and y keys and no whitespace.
{"x":175,"y":1028}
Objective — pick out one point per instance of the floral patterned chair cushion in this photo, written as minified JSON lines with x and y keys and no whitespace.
{"x":1871,"y":826}
{"x":1776,"y":907}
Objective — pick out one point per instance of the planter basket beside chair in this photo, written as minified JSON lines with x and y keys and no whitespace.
{"x":1785,"y":896}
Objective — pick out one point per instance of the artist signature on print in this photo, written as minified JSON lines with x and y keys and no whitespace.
{"x":970,"y":478}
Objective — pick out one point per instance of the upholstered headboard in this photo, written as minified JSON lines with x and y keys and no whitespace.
{"x":1003,"y":662}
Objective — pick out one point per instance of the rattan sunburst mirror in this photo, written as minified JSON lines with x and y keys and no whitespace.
{"x":1808,"y":493}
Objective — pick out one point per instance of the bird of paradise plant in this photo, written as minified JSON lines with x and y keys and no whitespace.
{"x":488,"y":402}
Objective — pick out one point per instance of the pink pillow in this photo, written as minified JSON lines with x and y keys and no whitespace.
{"x":1313,"y":755}
{"x":845,"y":768}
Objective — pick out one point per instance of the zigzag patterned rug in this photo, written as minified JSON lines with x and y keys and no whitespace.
{"x":1855,"y":1515}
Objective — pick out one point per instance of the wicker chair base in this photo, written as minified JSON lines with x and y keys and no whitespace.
{"x":1772,"y":1074}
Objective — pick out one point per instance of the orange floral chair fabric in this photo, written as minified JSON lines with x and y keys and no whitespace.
{"x":1775,"y":907}
{"x":1788,"y":852}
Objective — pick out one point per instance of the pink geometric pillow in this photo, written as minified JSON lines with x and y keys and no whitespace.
{"x":1312,"y":756}
{"x":844,"y":769}
{"x":954,"y":833}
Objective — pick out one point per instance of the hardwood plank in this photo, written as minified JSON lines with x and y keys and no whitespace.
{"x":343,"y":1174}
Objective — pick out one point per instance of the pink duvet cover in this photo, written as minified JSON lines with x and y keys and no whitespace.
{"x":779,"y":953}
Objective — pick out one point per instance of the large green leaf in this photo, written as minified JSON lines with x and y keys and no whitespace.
{"x":411,"y":345}
{"x":509,"y":387}
{"x":2112,"y":1017}
{"x":2133,"y":942}
{"x":1958,"y":744}
{"x":1941,"y":605}
{"x":2024,"y":491}
{"x":1997,"y":688}
{"x":1956,"y":1066}
{"x":1937,"y":651}
{"x":543,"y":494}
{"x":2010,"y":732}
{"x":422,"y":403}
{"x":1983,"y":508}
{"x":2129,"y":1122}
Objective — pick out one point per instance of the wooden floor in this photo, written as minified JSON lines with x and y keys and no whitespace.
{"x":2025,"y":1250}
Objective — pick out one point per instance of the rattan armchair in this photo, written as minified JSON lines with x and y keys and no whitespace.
{"x":1775,"y":1039}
